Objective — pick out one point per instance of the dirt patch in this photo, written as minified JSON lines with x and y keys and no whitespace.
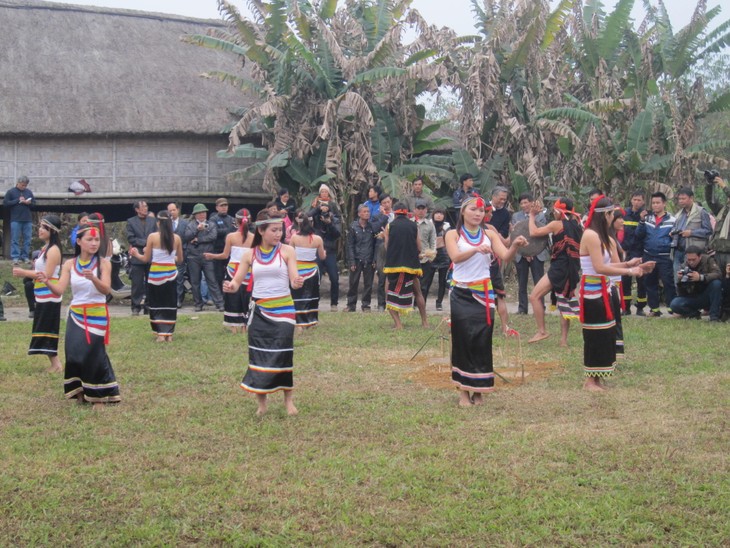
{"x":435,"y":371}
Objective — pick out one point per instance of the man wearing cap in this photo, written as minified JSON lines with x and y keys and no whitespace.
{"x":427,"y":235}
{"x":19,"y":200}
{"x":224,"y":224}
{"x":138,"y":228}
{"x":416,"y":195}
{"x":201,"y":236}
{"x":464,"y":191}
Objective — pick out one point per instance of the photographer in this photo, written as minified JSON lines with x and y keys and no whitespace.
{"x":328,"y":225}
{"x":720,"y":240}
{"x":692,"y":227}
{"x":698,"y":285}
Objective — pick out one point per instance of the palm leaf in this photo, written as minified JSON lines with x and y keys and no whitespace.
{"x":297,"y":170}
{"x":244,"y":84}
{"x":302,"y":51}
{"x":424,"y":145}
{"x":640,"y":132}
{"x":423,"y":170}
{"x":420,"y":56}
{"x":215,"y":43}
{"x":463,"y":162}
{"x":556,"y":22}
{"x":721,"y":103}
{"x":576,"y":114}
{"x":612,"y":33}
{"x":317,"y":161}
{"x":327,"y":9}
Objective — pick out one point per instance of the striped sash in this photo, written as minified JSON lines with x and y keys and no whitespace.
{"x":92,"y":318}
{"x":161,"y":273}
{"x":307,"y":269}
{"x":596,"y":287}
{"x":483,"y":293}
{"x":43,"y":294}
{"x":278,"y":309}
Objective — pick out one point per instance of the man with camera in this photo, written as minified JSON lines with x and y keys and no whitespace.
{"x":720,"y":240}
{"x":691,"y":228}
{"x":699,"y":286}
{"x":328,"y":225}
{"x":201,"y":236}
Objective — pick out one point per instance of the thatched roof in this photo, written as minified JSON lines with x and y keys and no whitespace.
{"x":86,"y":70}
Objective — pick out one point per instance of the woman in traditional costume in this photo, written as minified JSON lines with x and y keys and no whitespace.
{"x":47,"y":311}
{"x":470,"y":248}
{"x":271,"y":325}
{"x":164,"y":250}
{"x":617,"y":290}
{"x":307,"y":247}
{"x":597,"y":293}
{"x":236,"y":305}
{"x":403,"y":267}
{"x":564,"y":273}
{"x":88,"y":374}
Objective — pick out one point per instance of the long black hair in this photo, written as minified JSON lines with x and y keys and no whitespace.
{"x":599,"y":223}
{"x":305,"y":227}
{"x":167,"y":236}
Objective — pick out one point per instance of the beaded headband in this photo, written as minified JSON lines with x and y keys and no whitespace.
{"x":478,"y":201}
{"x":49,"y":226}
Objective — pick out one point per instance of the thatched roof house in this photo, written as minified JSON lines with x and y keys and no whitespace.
{"x":114,"y":97}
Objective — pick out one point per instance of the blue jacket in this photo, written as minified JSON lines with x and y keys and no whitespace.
{"x":656,"y":239}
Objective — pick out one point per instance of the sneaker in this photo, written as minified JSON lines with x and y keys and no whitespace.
{"x":333,"y":308}
{"x":655,"y":313}
{"x":351,"y":309}
{"x":16,"y":262}
{"x":439,"y":308}
{"x":640,"y":312}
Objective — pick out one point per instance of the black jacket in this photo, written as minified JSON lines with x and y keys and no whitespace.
{"x":224,"y":224}
{"x":360,"y":244}
{"x":633,"y":246}
{"x":137,"y":232}
{"x":708,"y":269}
{"x":329,"y":232}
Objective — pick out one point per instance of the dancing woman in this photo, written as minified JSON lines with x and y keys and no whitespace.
{"x":597,"y":292}
{"x":470,"y":247}
{"x":164,"y":250}
{"x":617,"y":291}
{"x":88,"y":373}
{"x":307,"y":247}
{"x":564,"y":273}
{"x":47,"y":315}
{"x":271,"y":325}
{"x":235,"y":305}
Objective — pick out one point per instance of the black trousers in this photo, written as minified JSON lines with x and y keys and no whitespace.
{"x":367,"y":272}
{"x":443,"y":272}
{"x":525,"y":267}
{"x":198,"y":267}
{"x":138,"y":277}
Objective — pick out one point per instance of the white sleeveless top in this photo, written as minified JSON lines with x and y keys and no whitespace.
{"x":476,"y":267}
{"x":236,"y":254}
{"x":83,"y":290}
{"x":40,"y":265}
{"x":162,"y":256}
{"x":272,"y":279}
{"x":308,"y":254}
{"x":586,"y":265}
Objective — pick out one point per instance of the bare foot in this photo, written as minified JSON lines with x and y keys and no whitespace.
{"x":97,"y":406}
{"x":56,"y":366}
{"x":592,"y":384}
{"x":425,"y":325}
{"x":263,"y":402}
{"x":537,"y":337}
{"x":234,"y":330}
{"x":291,"y":410}
{"x":261,"y":411}
{"x":160,"y":339}
{"x":477,"y":399}
{"x":564,"y":344}
{"x":464,"y":399}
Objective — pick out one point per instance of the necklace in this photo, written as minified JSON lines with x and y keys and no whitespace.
{"x":472,"y":238}
{"x":81,"y":266}
{"x":266,"y":257}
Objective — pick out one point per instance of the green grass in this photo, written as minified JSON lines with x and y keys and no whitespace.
{"x":375,"y":456}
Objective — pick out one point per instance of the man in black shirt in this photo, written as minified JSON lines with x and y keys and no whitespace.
{"x":361,"y":258}
{"x":224,"y":225}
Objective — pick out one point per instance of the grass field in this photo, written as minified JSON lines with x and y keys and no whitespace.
{"x":375,"y":457}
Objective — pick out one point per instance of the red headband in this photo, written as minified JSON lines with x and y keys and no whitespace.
{"x":593,"y":210}
{"x":401,"y":212}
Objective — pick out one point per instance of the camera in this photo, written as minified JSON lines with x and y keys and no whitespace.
{"x":675,"y":232}
{"x":683,"y":275}
{"x":204,"y":225}
{"x":710,"y":175}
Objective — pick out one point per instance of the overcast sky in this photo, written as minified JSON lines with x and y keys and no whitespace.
{"x":452,"y":13}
